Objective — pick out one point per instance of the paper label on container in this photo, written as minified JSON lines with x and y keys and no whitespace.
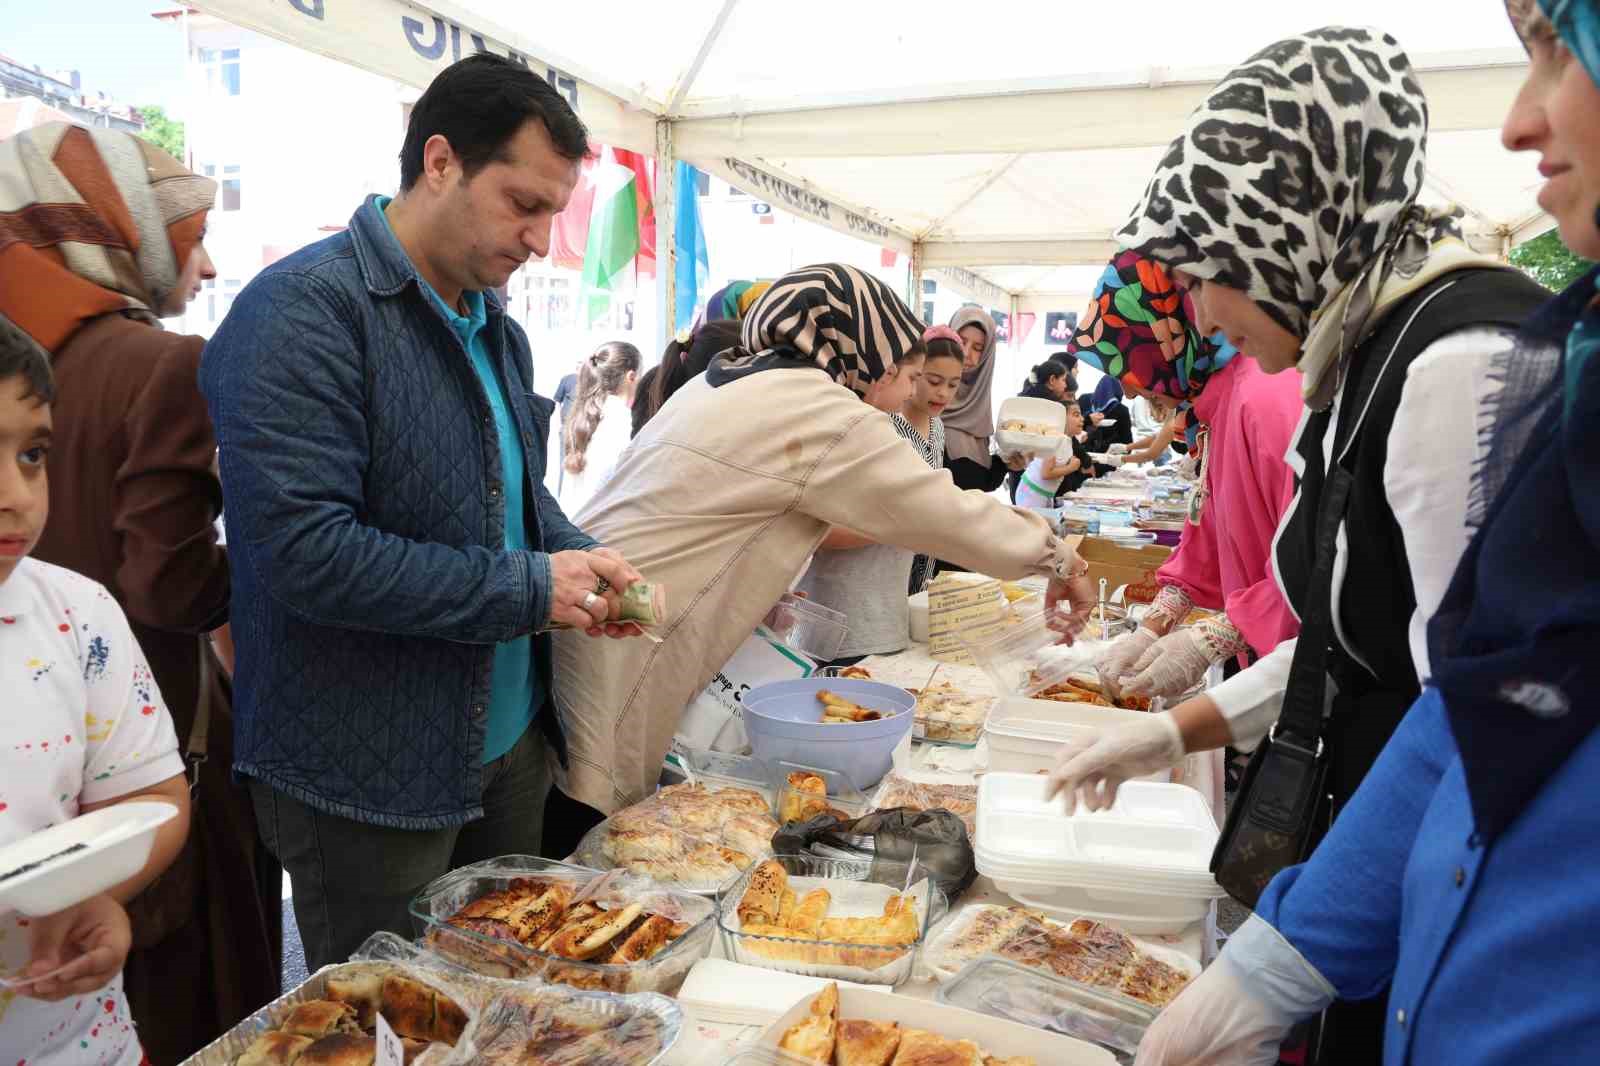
{"x":390,"y":1051}
{"x":960,"y":610}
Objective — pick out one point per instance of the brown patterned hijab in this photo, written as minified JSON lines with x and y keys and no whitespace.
{"x":91,"y":222}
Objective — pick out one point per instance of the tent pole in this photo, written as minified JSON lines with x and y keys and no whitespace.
{"x":914,"y":297}
{"x":666,"y":226}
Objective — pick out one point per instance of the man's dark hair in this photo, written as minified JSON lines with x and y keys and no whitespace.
{"x":478,"y":105}
{"x":21,"y":357}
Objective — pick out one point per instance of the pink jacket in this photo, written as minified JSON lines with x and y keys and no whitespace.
{"x":1226,"y":560}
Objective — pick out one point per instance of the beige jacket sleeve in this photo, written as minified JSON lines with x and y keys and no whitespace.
{"x":871,"y":480}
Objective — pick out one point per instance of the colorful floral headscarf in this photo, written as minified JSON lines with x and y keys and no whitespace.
{"x":1139,"y":329}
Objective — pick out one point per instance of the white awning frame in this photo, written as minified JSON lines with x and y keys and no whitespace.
{"x":757,"y":147}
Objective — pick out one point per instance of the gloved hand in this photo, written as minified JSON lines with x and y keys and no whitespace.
{"x":1113,"y":461}
{"x":1116,"y":662}
{"x":1117,"y":449}
{"x":1096,"y":768}
{"x":1241,"y":1008}
{"x":1178,"y":661}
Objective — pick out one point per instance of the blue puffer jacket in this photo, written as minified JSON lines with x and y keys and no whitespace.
{"x":366,"y":518}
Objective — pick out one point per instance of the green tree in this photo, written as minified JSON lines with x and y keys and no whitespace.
{"x":1549,"y":262}
{"x":163,"y":132}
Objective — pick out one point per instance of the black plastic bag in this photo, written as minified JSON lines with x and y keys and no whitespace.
{"x":937,"y":840}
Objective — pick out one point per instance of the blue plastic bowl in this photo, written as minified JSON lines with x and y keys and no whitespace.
{"x":781,"y":720}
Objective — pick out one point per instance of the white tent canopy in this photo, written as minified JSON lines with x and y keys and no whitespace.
{"x":1005,"y":140}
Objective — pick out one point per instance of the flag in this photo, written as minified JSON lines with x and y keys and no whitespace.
{"x":1022,"y":327}
{"x":613,"y":241}
{"x":887,"y":258}
{"x":569,"y":233}
{"x":693,"y":265}
{"x":644,"y":192}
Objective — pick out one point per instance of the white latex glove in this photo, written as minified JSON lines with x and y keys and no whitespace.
{"x":1095,"y":768}
{"x":1241,"y":1008}
{"x":1117,"y":449}
{"x":1119,"y":657}
{"x":1178,"y":661}
{"x":1112,"y":460}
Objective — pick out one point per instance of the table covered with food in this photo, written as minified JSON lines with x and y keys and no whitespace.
{"x":879,"y":879}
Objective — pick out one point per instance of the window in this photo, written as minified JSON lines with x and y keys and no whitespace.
{"x":222,"y":70}
{"x":702,"y":183}
{"x":230,"y":289}
{"x":208,"y":290}
{"x":229,"y":182}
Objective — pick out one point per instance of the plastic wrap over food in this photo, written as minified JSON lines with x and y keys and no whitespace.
{"x":689,"y":835}
{"x":531,"y":1025}
{"x":960,"y":800}
{"x":521,"y":917}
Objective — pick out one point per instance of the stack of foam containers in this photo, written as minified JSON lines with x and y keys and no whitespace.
{"x":1141,"y":865}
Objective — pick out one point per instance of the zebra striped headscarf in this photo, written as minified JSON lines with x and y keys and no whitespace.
{"x":847,"y":322}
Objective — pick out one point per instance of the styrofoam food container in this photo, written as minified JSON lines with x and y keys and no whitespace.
{"x":1030,"y":409}
{"x":781,"y":720}
{"x":1138,"y":914}
{"x":996,"y":1036}
{"x":116,"y":844}
{"x":1026,"y":735}
{"x":1150,"y":828}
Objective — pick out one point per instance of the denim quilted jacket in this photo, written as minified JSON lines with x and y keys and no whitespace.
{"x":365,"y":518}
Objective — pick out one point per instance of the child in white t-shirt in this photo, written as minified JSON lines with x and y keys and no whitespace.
{"x":83,"y":728}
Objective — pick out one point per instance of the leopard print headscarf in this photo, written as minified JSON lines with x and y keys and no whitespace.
{"x":1296,"y":183}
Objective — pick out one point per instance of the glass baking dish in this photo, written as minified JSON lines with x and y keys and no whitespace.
{"x":497,"y":957}
{"x":854,"y":894}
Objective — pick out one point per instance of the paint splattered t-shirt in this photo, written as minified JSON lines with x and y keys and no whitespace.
{"x":82,"y":722}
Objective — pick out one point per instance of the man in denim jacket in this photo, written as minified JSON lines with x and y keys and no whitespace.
{"x":395,"y":552}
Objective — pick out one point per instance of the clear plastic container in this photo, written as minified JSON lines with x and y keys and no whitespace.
{"x":808,"y":627}
{"x":854,"y":894}
{"x":797,"y":799}
{"x":1021,"y":994}
{"x":718,"y":770}
{"x":483,"y":953}
{"x":1028,"y":658}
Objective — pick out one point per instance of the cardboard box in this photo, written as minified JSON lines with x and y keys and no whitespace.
{"x":1119,"y":564}
{"x":996,"y":1036}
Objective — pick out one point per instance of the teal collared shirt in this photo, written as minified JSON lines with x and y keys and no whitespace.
{"x":515,"y":689}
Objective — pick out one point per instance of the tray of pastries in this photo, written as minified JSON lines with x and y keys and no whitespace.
{"x":824,"y":918}
{"x":522,"y":917}
{"x":331,"y":1018}
{"x":687,"y":835}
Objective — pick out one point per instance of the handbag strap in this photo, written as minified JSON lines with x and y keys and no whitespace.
{"x":200,"y":729}
{"x":1303,"y":717}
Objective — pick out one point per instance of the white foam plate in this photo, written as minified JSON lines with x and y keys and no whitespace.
{"x":1150,"y":828}
{"x":112,"y":845}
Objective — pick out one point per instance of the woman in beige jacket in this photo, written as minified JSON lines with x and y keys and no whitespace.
{"x":724,"y":495}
